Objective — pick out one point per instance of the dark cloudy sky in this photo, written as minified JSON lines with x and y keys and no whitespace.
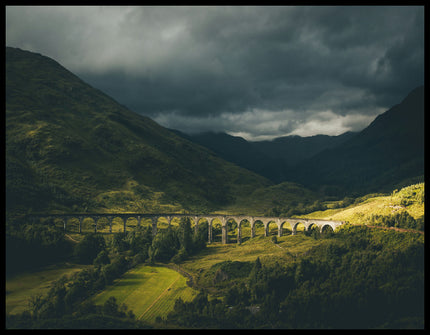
{"x":256,"y":72}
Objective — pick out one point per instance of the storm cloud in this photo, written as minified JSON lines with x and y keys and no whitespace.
{"x":257,"y":72}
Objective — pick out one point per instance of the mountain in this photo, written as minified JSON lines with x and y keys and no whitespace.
{"x":388,"y":153}
{"x":70,"y":147}
{"x":292,"y":150}
{"x":271,"y":159}
{"x":237,"y":150}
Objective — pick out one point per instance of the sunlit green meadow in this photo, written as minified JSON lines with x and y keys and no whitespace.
{"x":149,"y":291}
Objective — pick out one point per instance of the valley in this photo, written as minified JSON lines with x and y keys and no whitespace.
{"x":150,"y":290}
{"x":71,"y":149}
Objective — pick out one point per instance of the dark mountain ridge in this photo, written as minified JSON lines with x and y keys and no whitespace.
{"x":294,"y":149}
{"x":70,"y":147}
{"x":388,"y":153}
{"x":241,"y":152}
{"x":271,"y":159}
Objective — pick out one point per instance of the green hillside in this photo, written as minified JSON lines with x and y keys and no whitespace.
{"x":69,"y":147}
{"x":408,"y":200}
{"x":269,"y":200}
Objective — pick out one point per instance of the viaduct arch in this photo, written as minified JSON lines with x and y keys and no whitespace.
{"x":239,"y":219}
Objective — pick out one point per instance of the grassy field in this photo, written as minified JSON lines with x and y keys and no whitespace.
{"x":408,"y":199}
{"x":20,"y":288}
{"x":287,"y":248}
{"x":149,"y":291}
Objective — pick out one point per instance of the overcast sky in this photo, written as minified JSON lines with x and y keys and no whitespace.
{"x":255,"y":72}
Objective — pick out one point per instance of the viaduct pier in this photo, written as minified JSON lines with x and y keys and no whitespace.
{"x":196,"y":218}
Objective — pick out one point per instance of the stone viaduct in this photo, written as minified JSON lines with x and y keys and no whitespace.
{"x":224,"y":219}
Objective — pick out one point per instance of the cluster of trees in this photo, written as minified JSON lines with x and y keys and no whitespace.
{"x":66,"y":295}
{"x":32,"y":246}
{"x":359,"y":278}
{"x":171,"y":244}
{"x":177,"y":244}
{"x":110,"y":315}
{"x":202,"y":313}
{"x":398,"y":220}
{"x":410,"y":194}
{"x":66,"y":301}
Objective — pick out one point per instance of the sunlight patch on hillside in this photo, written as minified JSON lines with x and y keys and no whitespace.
{"x":409,"y":199}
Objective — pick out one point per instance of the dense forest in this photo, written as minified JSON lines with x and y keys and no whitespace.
{"x":364,"y":278}
{"x":359,"y":278}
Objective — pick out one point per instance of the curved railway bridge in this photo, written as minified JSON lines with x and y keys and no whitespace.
{"x":224,"y":219}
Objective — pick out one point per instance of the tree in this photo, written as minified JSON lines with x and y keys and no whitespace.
{"x":185,"y":234}
{"x":164,"y":245}
{"x":88,"y":249}
{"x":140,"y":239}
{"x":110,"y":307}
{"x":237,"y":294}
{"x":35,"y":303}
{"x":119,"y":242}
{"x":102,"y":258}
{"x":253,"y":275}
{"x":180,"y":256}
